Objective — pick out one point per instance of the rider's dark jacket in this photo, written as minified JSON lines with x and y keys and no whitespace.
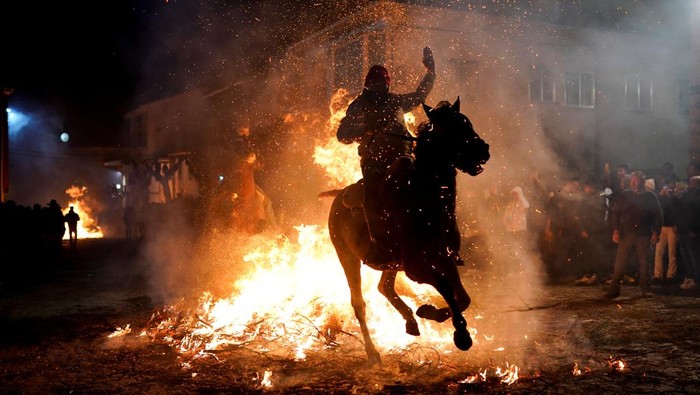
{"x":375,"y":119}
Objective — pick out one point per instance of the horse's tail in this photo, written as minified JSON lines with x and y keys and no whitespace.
{"x":332,"y":193}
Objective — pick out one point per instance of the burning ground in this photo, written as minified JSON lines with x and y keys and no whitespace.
{"x":94,"y":324}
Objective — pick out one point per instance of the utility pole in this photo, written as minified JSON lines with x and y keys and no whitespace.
{"x":4,"y":144}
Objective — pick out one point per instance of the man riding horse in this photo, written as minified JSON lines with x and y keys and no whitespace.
{"x":375,"y":120}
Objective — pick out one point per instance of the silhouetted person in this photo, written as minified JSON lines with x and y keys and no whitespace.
{"x":375,"y":120}
{"x":637,"y":220}
{"x":164,"y":174}
{"x":55,"y":228}
{"x":72,"y":219}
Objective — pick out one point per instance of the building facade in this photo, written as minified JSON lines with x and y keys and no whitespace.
{"x":548,"y":97}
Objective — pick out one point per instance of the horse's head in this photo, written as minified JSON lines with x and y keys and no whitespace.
{"x":452,"y":138}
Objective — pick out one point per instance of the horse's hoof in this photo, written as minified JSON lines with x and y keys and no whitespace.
{"x":412,"y":328}
{"x":462,"y":340}
{"x":426,"y":311}
{"x":430,"y":312}
{"x":374,"y":359}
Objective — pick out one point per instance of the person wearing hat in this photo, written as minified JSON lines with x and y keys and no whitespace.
{"x":374,"y":119}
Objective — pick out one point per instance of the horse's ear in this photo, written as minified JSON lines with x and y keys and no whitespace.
{"x":426,"y":108}
{"x":455,"y":106}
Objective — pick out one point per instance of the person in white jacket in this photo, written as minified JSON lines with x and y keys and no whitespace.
{"x":515,"y":213}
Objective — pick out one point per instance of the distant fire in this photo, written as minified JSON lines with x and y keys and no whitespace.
{"x":87,"y":226}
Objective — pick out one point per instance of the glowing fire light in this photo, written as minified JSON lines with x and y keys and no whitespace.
{"x":267,"y":379}
{"x":617,"y":364}
{"x":87,"y":226}
{"x":277,"y":302}
{"x":338,"y":160}
{"x":576,"y":371}
{"x":410,"y":121}
{"x":481,"y":376}
{"x":120,"y":331}
{"x":275,"y":308}
{"x":509,"y":375}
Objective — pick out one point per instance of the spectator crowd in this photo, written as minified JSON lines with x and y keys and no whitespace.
{"x":623,"y":226}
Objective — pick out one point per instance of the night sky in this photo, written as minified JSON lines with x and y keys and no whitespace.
{"x":89,"y":62}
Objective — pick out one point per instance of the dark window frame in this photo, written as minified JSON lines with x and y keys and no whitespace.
{"x":579,"y":89}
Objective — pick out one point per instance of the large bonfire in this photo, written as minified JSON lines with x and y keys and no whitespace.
{"x":293,"y":299}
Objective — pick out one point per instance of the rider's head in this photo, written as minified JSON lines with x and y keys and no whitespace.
{"x":377,"y":79}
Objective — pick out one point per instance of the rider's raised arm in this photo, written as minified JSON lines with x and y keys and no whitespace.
{"x":352,"y":126}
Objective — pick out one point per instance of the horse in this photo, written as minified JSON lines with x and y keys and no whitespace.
{"x":418,"y":201}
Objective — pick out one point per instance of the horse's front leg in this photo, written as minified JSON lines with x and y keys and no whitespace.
{"x":456,"y":302}
{"x":461,"y":296}
{"x":351,"y":266}
{"x":386,"y":288}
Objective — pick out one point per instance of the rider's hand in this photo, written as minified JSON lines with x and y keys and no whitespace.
{"x":428,"y":60}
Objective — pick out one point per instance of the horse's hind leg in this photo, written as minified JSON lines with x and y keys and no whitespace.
{"x":351,"y":266}
{"x":386,"y":288}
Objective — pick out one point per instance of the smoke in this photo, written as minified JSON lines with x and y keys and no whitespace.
{"x":42,"y":167}
{"x":484,"y":65}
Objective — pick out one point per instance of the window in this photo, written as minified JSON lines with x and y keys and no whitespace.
{"x":638,"y":93}
{"x":684,"y":97}
{"x":580,"y":90}
{"x":348,"y":65}
{"x":541,"y":84}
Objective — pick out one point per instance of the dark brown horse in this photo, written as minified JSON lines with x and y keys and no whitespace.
{"x":418,"y":199}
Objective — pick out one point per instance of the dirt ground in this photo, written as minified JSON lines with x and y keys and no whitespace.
{"x":56,"y":326}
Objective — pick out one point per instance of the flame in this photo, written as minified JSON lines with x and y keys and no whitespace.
{"x":340,"y":161}
{"x":276,"y":301}
{"x":87,"y":226}
{"x":509,"y":375}
{"x":576,"y":371}
{"x":266,"y":381}
{"x":119,"y":332}
{"x":410,"y":121}
{"x":617,"y":364}
{"x":292,"y":297}
{"x":480,"y":376}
